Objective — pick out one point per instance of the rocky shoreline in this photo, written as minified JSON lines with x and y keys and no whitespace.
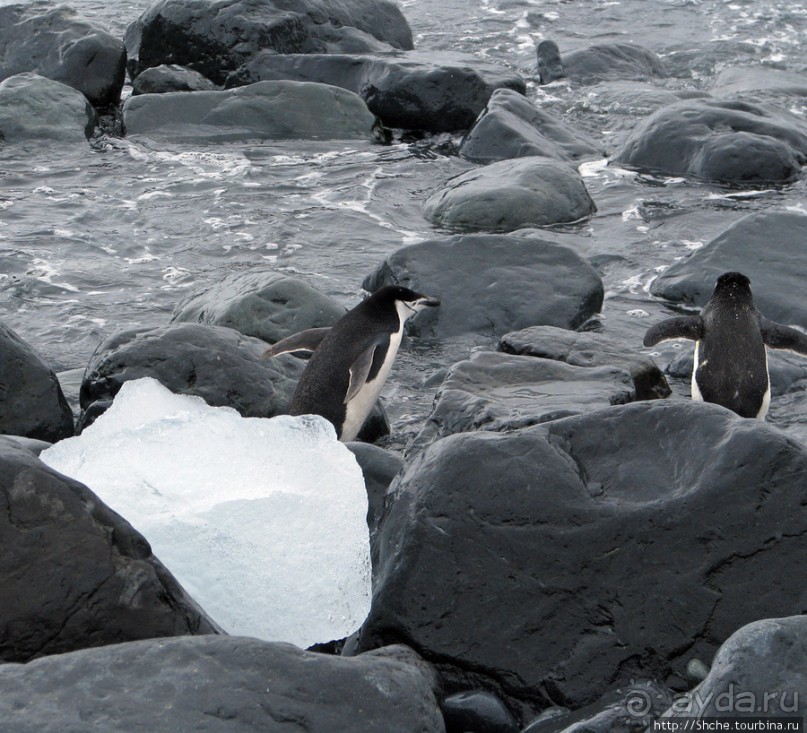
{"x":561,"y":547}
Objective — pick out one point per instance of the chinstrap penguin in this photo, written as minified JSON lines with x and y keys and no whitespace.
{"x":352,"y":360}
{"x":731,"y":364}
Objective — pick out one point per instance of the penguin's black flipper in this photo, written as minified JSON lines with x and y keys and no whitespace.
{"x":307,"y":340}
{"x":778,"y":336}
{"x":359,"y":371}
{"x":683,"y":327}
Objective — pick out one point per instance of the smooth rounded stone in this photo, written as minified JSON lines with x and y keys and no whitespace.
{"x":266,"y":304}
{"x":758,"y":672}
{"x":766,"y":246}
{"x":433,"y":91}
{"x":32,"y":404}
{"x":739,"y":79}
{"x":561,"y":529}
{"x":56,"y":42}
{"x":491,"y":284}
{"x":171,"y":78}
{"x":587,"y":349}
{"x":600,"y":62}
{"x":478,"y":711}
{"x":35,"y":108}
{"x":501,"y":392}
{"x":220,"y":365}
{"x":727,"y":141}
{"x":509,"y":195}
{"x":215,"y":38}
{"x":512,"y":127}
{"x":379,"y":467}
{"x":32,"y":445}
{"x":267,"y":110}
{"x":629,"y":709}
{"x":75,"y":573}
{"x":219,"y":685}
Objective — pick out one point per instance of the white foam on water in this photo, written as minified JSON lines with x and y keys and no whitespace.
{"x":263,"y":521}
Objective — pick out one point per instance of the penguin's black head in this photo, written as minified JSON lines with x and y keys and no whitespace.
{"x":733,"y":284}
{"x":407,"y":302}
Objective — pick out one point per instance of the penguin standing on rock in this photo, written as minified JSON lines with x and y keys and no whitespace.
{"x":731,"y":364}
{"x":352,"y":360}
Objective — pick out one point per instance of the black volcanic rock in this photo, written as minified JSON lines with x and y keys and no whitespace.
{"x":728,"y":141}
{"x":600,"y":62}
{"x":219,"y":685}
{"x":767,"y":246}
{"x":32,"y":403}
{"x":757,"y":672}
{"x":557,"y":562}
{"x":267,"y":304}
{"x":33,"y":107}
{"x":478,"y":711}
{"x":512,"y":127}
{"x":273,"y":110}
{"x":431,"y":91}
{"x":511,"y":194}
{"x":57,"y":43}
{"x":628,"y":709}
{"x":170,"y":78}
{"x":502,"y":392}
{"x":587,"y":349}
{"x":218,"y":364}
{"x":491,"y":284}
{"x":75,"y":573}
{"x":215,"y":38}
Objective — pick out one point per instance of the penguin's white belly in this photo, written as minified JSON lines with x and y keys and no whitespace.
{"x":357,"y":410}
{"x":697,"y":396}
{"x":766,"y":398}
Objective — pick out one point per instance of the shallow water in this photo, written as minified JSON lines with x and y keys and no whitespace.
{"x":96,"y":239}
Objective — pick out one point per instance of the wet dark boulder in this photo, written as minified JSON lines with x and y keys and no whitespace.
{"x":491,"y":284}
{"x":379,"y":467}
{"x":510,"y":126}
{"x":221,"y":685}
{"x":509,"y":195}
{"x":727,"y":141}
{"x":32,"y":404}
{"x":171,"y":78}
{"x":75,"y":573}
{"x":215,"y":38}
{"x":433,"y":91}
{"x":267,"y":304}
{"x":757,"y":672}
{"x":531,"y":563}
{"x":600,"y":62}
{"x":267,"y":110}
{"x":218,"y":364}
{"x":587,"y":349}
{"x":57,"y":43}
{"x":628,"y":709}
{"x":502,"y":392}
{"x":767,"y":246}
{"x":478,"y":711}
{"x":33,"y":107}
